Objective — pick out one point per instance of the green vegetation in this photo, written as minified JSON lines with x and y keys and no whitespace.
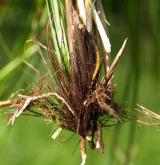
{"x":137,"y":77}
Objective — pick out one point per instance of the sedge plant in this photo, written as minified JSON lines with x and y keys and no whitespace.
{"x":77,"y":92}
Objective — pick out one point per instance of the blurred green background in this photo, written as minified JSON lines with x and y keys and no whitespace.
{"x":29,"y":141}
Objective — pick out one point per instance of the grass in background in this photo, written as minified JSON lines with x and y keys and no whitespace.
{"x":137,"y":78}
